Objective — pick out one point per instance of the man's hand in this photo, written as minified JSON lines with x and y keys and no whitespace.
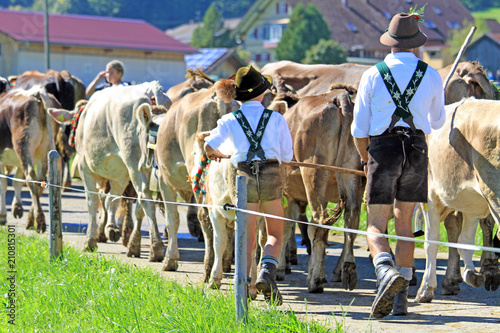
{"x":215,"y":155}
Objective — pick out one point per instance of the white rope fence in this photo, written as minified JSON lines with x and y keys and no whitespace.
{"x":232,"y":207}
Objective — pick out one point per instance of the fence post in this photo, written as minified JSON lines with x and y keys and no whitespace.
{"x":240,"y":276}
{"x":55,"y":223}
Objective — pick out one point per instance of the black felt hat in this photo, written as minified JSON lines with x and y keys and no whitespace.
{"x":250,"y":83}
{"x":403,"y":32}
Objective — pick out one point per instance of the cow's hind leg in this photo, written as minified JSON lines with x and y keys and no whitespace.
{"x":470,"y":276}
{"x":90,"y":183}
{"x":17,"y":206}
{"x":3,"y":202}
{"x":489,"y":261}
{"x":219,"y":224}
{"x":208,"y":234}
{"x":172,"y":227}
{"x":103,"y":215}
{"x":227,"y":259}
{"x":111,"y":230}
{"x":452,"y":278}
{"x":193,"y":223}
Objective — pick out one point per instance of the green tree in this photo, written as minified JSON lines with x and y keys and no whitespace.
{"x":306,"y":28}
{"x":326,"y":52}
{"x":457,"y":38}
{"x":212,"y":32}
{"x":477,"y":5}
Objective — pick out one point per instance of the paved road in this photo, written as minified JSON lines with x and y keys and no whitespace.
{"x":472,"y":310}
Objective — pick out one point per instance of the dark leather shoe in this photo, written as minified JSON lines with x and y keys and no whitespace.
{"x":266,"y":284}
{"x":390,"y":283}
{"x":401,"y":301}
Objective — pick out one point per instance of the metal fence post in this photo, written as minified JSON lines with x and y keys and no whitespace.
{"x":55,"y":222}
{"x":240,"y":276}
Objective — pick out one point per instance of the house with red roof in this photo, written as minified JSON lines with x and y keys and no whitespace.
{"x":83,"y":45}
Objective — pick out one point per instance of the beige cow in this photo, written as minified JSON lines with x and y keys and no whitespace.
{"x":463,"y":176}
{"x":111,"y":143}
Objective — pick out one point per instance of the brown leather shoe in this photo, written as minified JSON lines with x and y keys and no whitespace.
{"x":390,"y":283}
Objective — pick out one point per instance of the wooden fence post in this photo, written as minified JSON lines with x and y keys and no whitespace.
{"x":240,"y":276}
{"x":55,"y":223}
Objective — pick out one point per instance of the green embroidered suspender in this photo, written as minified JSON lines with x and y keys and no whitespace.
{"x":402,"y":100}
{"x":254,"y":138}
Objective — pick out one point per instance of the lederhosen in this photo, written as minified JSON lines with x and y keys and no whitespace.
{"x":263,"y":177}
{"x":398,"y":157}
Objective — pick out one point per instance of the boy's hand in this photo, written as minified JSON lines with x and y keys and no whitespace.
{"x":215,"y":155}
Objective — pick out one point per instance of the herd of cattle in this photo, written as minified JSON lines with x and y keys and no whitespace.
{"x":113,"y":150}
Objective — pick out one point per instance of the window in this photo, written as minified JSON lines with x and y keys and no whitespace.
{"x":267,"y":56}
{"x":274,"y":33}
{"x":437,"y":10}
{"x":430,"y":24}
{"x":387,"y":15}
{"x":453,"y":24}
{"x":258,"y":57}
{"x":282,"y":8}
{"x":352,"y":27}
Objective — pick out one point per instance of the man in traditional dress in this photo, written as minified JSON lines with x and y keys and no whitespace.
{"x":389,"y":130}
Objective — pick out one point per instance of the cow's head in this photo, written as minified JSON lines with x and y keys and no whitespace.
{"x":344,"y":99}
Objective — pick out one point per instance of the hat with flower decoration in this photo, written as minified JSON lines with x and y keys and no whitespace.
{"x":404,"y":32}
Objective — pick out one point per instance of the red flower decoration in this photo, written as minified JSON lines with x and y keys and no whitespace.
{"x":416,"y":17}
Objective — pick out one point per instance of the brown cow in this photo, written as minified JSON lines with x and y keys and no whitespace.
{"x":328,"y":116}
{"x":194,"y":113}
{"x":196,"y":80}
{"x":27,"y":137}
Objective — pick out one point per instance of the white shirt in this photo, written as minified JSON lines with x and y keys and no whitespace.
{"x":374,"y":105}
{"x":230,"y":139}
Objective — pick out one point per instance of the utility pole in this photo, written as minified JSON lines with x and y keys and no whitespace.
{"x":46,"y":40}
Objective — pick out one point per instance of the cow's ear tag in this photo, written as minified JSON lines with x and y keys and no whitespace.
{"x":60,"y":117}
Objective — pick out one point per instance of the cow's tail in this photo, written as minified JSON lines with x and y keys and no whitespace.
{"x":52,"y":126}
{"x":197,"y":175}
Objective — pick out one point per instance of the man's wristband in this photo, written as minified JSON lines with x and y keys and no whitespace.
{"x":363,"y":163}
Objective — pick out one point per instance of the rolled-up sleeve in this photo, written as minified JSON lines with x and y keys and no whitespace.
{"x":437,"y":113}
{"x":362,"y":111}
{"x":286,"y":144}
{"x":218,"y":135}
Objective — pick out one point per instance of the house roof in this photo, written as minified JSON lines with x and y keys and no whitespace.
{"x":184,"y":32}
{"x":93,"y":31}
{"x":361,"y":22}
{"x":209,"y":58}
{"x":494,"y":37}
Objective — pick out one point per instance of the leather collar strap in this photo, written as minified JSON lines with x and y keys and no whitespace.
{"x":254,"y":138}
{"x":402,"y":100}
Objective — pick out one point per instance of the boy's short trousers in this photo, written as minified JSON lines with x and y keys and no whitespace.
{"x":397,"y":167}
{"x":269,"y":175}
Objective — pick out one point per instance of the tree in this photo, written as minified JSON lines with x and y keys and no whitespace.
{"x":212,"y":32}
{"x":306,"y":28}
{"x":477,"y":5}
{"x":457,"y":38}
{"x":326,"y":52}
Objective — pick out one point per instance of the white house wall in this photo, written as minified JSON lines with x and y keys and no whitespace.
{"x":86,"y":66}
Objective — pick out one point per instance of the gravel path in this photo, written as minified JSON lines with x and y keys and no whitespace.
{"x":472,"y":310}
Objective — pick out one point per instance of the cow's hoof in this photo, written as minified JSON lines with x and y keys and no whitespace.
{"x":424,"y":296}
{"x":288,"y":269}
{"x":134,"y":251}
{"x":336,"y":275}
{"x":280,"y":274}
{"x":101,"y":238}
{"x":18,"y":210}
{"x":450,"y":287}
{"x":30,"y":222}
{"x":349,"y":276}
{"x":472,"y":278}
{"x":90,"y":245}
{"x":67,"y":186}
{"x":252,"y":290}
{"x":3,"y":219}
{"x":214,"y":283}
{"x":40,"y":224}
{"x":316,"y":286}
{"x":112,"y":233}
{"x":293,"y":257}
{"x":156,"y":256}
{"x":226,"y":268}
{"x":126,"y":236}
{"x":491,"y":275}
{"x":171,"y":266}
